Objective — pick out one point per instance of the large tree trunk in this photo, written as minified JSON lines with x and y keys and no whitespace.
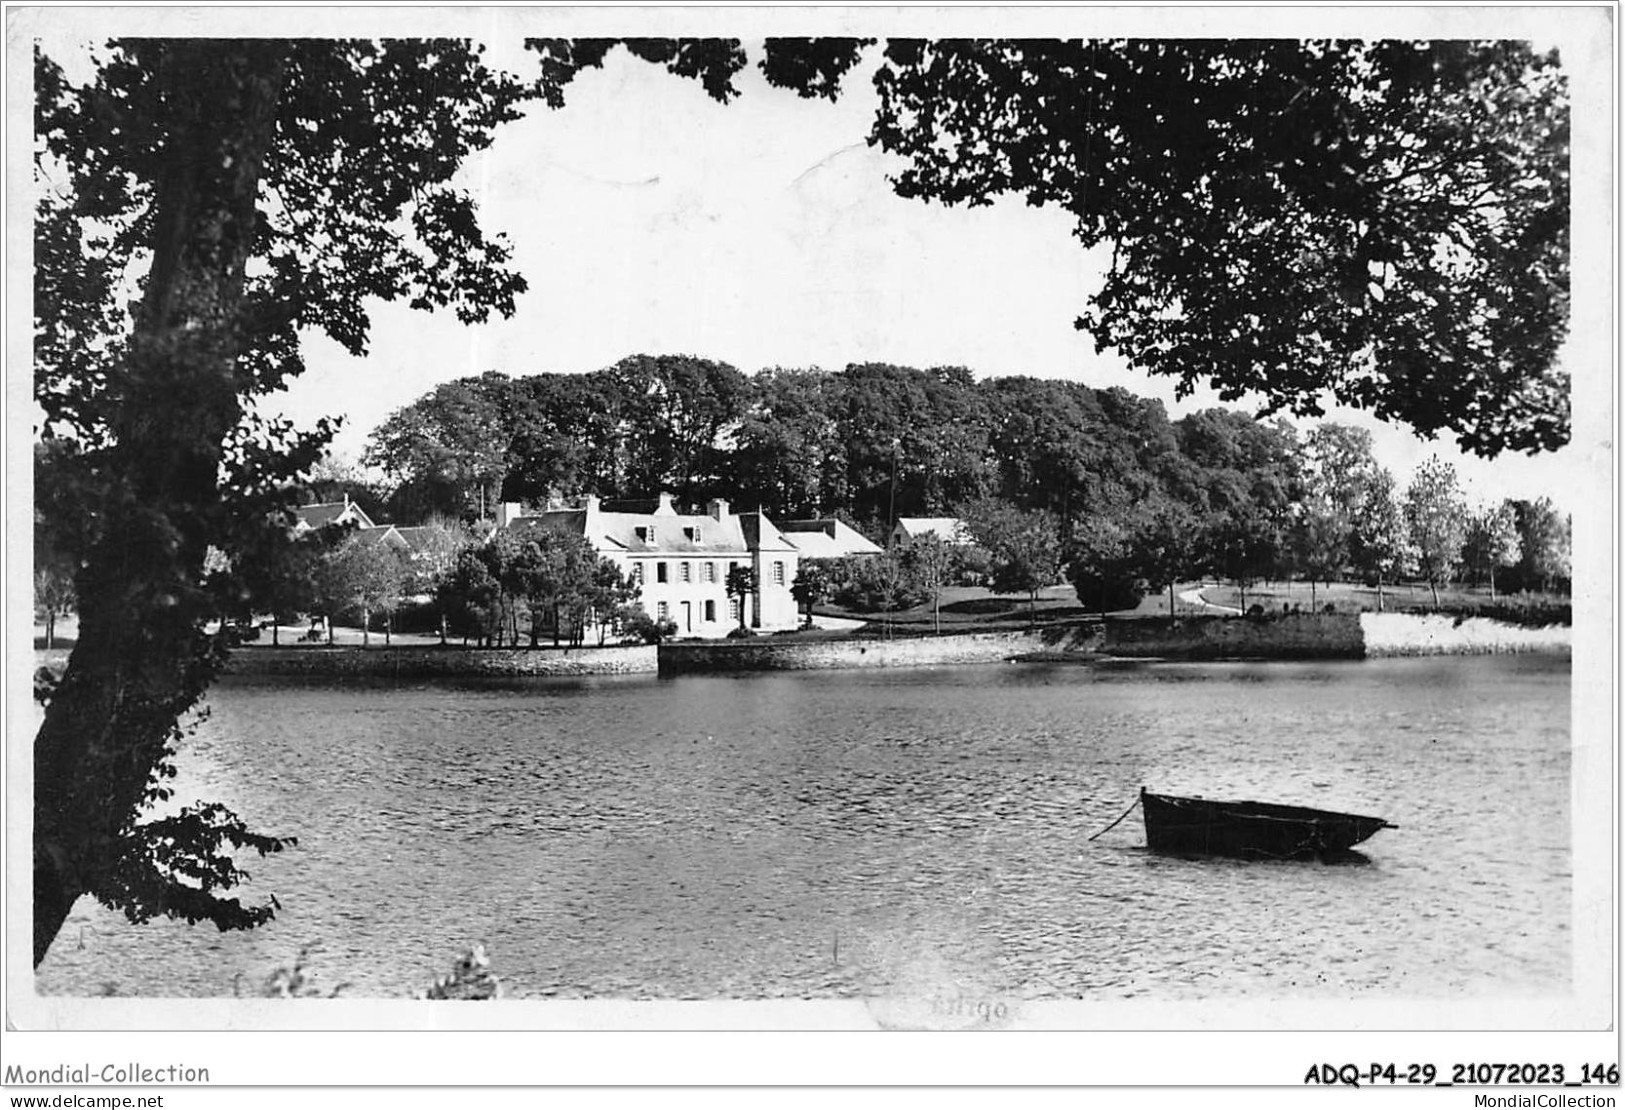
{"x":142,"y":658}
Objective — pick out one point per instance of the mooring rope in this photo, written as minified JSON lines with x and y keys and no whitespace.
{"x":1117,"y":822}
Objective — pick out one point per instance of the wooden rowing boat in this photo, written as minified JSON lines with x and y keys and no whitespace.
{"x":1250,"y":830}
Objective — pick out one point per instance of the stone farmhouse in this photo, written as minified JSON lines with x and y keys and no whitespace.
{"x":949,"y":529}
{"x":333,"y":514}
{"x":680,"y":561}
{"x":310,"y":518}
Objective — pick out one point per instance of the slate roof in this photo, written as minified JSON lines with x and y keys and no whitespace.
{"x":949,"y":528}
{"x":324,"y":513}
{"x":418,"y":536}
{"x":761,"y":535}
{"x":387,"y":535}
{"x":827,"y":539}
{"x":648,"y":533}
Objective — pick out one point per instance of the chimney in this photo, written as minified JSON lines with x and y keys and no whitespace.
{"x":664,"y":508}
{"x":718,"y":509}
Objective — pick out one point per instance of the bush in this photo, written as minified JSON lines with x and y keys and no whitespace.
{"x":1106,"y":593}
{"x":1529,"y":610}
{"x":420,"y":617}
{"x":639,"y":625}
{"x":876,"y":584}
{"x":742,"y":633}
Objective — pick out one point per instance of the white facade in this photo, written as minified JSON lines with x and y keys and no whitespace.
{"x":680,"y":562}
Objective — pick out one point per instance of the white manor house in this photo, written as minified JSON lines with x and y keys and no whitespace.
{"x":680,"y":561}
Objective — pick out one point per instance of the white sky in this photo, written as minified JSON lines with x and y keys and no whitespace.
{"x":648,"y":218}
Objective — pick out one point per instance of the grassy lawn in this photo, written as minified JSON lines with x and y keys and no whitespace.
{"x":1353,"y":597}
{"x":975,"y":609}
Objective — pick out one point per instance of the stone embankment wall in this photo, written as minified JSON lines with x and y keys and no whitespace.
{"x":420,"y":662}
{"x":1298,"y":636}
{"x":1389,"y":634}
{"x":787,"y":654}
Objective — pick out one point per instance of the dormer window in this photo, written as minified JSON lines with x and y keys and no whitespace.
{"x":645,"y":532}
{"x":692,"y":533}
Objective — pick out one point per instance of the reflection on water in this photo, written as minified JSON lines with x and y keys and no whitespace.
{"x":835,"y":834}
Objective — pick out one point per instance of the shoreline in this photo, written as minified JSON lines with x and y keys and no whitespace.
{"x":1205,"y":638}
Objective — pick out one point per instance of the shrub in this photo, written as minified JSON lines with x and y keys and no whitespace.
{"x":1529,"y":610}
{"x":470,"y":980}
{"x":292,"y":982}
{"x":876,"y":584}
{"x":637,"y":624}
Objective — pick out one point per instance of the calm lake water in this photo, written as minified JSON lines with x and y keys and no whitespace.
{"x":886,"y":833}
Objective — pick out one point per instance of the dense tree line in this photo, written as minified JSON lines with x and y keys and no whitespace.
{"x":1051,"y":476}
{"x":871,"y":443}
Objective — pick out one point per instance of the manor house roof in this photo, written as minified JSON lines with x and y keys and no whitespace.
{"x":662,"y":530}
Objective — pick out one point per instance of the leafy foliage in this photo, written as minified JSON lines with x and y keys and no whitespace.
{"x":361,"y":575}
{"x":1544,"y":540}
{"x":470,"y":980}
{"x":1387,"y":220}
{"x":1492,"y":541}
{"x":929,"y":561}
{"x":811,"y":67}
{"x":739,"y":585}
{"x":1024,"y":546}
{"x":325,"y":164}
{"x":1437,"y":515}
{"x":1101,"y":565}
{"x":449,"y":449}
{"x":814,"y":583}
{"x":875,"y":584}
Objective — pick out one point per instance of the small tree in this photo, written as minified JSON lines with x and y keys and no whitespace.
{"x":1161,"y":546}
{"x":361,"y":575}
{"x":610,"y":593}
{"x":469,"y":596}
{"x":1100,"y":565}
{"x":632,"y":621}
{"x":741,"y":583}
{"x":1321,"y":540}
{"x":1023,"y":545}
{"x":53,"y":598}
{"x":1492,"y":541}
{"x":536,"y":573}
{"x":1381,"y":545}
{"x":1436,"y":514}
{"x":813,"y":584}
{"x":930,"y":562}
{"x":1544,"y":536}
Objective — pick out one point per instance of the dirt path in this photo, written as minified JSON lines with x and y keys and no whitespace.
{"x":1194,"y":597}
